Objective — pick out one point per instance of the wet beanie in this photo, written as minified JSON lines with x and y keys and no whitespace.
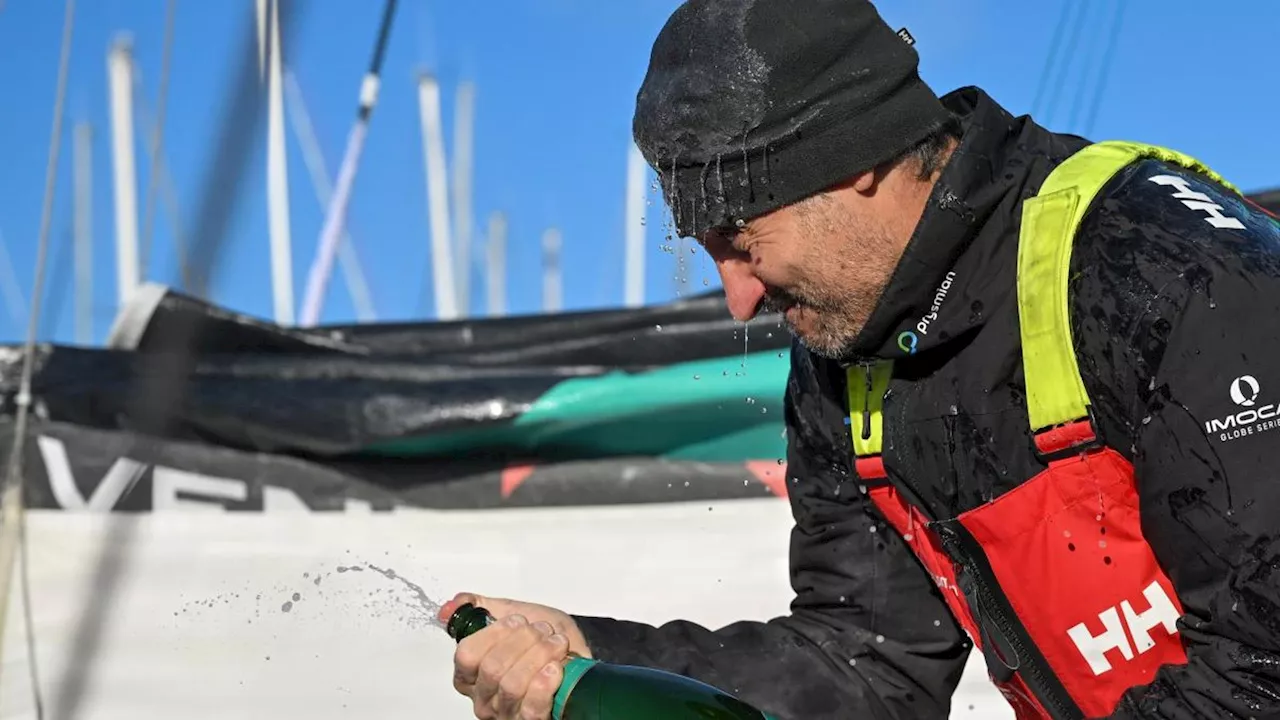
{"x":750,"y":105}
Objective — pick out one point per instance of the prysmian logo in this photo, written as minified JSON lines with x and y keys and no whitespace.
{"x":1253,"y":419}
{"x":938,"y":298}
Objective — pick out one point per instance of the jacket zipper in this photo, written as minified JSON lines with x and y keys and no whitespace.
{"x":992,"y":606}
{"x":989,"y":604}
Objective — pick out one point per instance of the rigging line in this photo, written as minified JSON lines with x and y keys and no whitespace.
{"x":1088,"y":52}
{"x":331,"y":233}
{"x":1065,"y":66}
{"x":1105,"y":73}
{"x":11,"y":502}
{"x":164,"y":181}
{"x":1054,"y":45}
{"x":157,"y":136}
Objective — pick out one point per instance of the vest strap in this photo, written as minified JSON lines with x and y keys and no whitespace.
{"x":866,"y":388}
{"x":1057,"y":402}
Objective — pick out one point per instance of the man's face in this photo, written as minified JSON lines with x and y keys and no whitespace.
{"x":820,"y":262}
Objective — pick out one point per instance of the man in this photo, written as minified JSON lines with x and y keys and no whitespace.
{"x":1050,"y":367}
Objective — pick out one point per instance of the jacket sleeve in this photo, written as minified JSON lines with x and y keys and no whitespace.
{"x":1194,"y":306}
{"x":868,"y":635}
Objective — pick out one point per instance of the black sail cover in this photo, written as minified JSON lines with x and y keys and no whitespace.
{"x":191,"y":403}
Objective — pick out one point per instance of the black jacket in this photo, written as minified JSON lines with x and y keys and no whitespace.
{"x":1167,"y":310}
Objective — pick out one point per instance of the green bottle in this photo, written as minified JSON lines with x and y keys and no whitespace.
{"x":595,"y":690}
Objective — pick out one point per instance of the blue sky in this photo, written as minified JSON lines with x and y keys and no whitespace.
{"x":556,"y":81}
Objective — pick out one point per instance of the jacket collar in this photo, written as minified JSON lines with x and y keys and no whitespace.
{"x":953,"y":267}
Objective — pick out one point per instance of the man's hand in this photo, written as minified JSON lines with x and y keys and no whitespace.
{"x":512,"y":668}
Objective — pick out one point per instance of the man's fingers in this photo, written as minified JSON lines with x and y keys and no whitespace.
{"x":541,"y":693}
{"x":517,"y":637}
{"x":474,"y":650}
{"x":514,"y":685}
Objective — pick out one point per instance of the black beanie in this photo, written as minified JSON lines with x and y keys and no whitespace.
{"x":750,"y":105}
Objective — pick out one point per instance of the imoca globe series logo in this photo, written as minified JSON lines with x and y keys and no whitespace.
{"x":1244,"y":390}
{"x":1251,"y":419}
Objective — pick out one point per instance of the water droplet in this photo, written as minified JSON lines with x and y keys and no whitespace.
{"x":879,"y":638}
{"x":285,"y":608}
{"x":872,"y":529}
{"x":1107,"y":559}
{"x":1066,"y":533}
{"x":297,"y":597}
{"x":658,"y":328}
{"x":908,"y":537}
{"x":842,"y":598}
{"x":937,"y":623}
{"x":853,"y":661}
{"x":1071,"y":547}
{"x":782,"y":461}
{"x":764,"y":410}
{"x":1102,"y":543}
{"x":697,"y":377}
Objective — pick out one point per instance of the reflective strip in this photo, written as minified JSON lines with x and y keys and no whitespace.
{"x":866,"y":421}
{"x":1055,"y":392}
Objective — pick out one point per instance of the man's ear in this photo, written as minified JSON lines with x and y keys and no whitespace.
{"x":865,"y":182}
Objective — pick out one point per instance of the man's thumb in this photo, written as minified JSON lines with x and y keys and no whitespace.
{"x":498,"y":607}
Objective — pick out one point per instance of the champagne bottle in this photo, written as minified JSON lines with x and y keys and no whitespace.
{"x":595,"y":690}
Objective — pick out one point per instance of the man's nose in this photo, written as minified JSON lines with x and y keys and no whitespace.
{"x":742,"y":289}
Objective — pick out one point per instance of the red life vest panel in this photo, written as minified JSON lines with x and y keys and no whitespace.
{"x":1053,"y":581}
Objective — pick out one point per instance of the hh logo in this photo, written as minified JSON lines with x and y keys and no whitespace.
{"x":1114,"y":620}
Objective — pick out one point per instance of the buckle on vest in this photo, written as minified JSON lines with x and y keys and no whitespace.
{"x":1069,"y":439}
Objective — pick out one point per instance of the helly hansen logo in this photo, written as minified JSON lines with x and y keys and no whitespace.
{"x":1198,"y":201}
{"x":1114,"y":620}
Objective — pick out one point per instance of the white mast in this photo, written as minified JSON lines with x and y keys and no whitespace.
{"x":635,"y":231}
{"x":496,"y":277}
{"x":260,"y":11}
{"x":437,"y":198}
{"x":120,"y":76}
{"x":464,"y":114}
{"x":552,"y":293}
{"x":83,"y":225}
{"x":278,"y":182}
